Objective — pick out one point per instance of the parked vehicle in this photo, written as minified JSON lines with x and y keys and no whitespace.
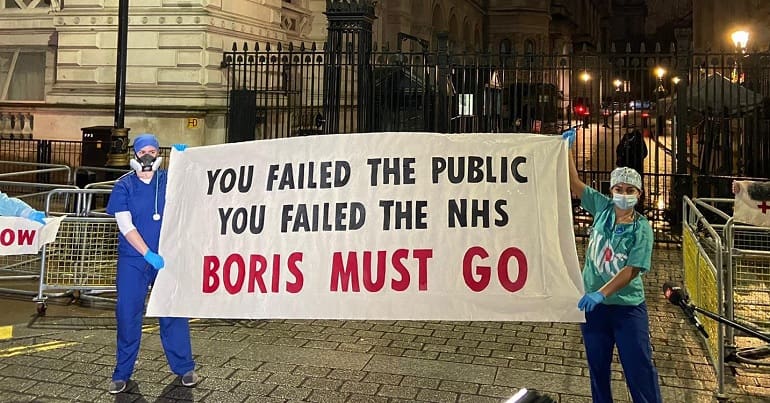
{"x":639,"y":114}
{"x":581,"y":110}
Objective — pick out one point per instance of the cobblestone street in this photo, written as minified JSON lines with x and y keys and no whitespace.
{"x":55,"y":359}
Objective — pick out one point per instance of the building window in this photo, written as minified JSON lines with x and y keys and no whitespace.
{"x":23,"y":4}
{"x":22,"y":75}
{"x":505,"y":47}
{"x":529,"y":52}
{"x":529,"y":47}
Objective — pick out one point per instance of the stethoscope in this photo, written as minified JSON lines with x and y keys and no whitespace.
{"x":156,"y":216}
{"x":617,"y":230}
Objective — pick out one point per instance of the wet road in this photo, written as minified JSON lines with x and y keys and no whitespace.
{"x":21,"y":311}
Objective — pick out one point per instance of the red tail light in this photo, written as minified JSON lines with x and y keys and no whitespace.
{"x":645,"y":115}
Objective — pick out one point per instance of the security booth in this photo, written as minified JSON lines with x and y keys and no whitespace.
{"x":531,"y":106}
{"x":403,"y":99}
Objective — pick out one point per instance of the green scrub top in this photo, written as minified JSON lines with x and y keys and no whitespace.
{"x":612,"y":247}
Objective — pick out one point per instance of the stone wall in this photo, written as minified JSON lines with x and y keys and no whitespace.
{"x":173,"y":76}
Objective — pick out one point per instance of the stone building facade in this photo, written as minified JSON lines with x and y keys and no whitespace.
{"x":714,"y":21}
{"x":57,"y":61}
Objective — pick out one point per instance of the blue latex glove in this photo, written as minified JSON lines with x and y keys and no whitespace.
{"x":179,"y":147}
{"x":154,"y":259}
{"x":569,"y":135}
{"x":37,"y":216}
{"x":590,"y":301}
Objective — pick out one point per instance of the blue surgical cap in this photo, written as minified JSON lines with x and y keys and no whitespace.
{"x":144,"y":140}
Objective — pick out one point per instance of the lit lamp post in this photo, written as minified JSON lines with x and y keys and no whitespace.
{"x":582,"y":109}
{"x":612,"y":107}
{"x":660,"y":72}
{"x":118,"y":155}
{"x":740,"y":40}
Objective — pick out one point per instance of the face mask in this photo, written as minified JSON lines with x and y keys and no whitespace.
{"x":146,"y":163}
{"x":624,"y":202}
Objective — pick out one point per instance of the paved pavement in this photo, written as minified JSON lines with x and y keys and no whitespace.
{"x":60,"y":358}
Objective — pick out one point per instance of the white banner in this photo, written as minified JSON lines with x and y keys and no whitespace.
{"x":752,"y":203}
{"x":371,"y":226}
{"x":20,"y":236}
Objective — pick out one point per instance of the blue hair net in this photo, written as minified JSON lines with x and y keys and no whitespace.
{"x":144,"y":140}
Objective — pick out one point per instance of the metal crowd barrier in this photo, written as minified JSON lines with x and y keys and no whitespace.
{"x":16,"y":268}
{"x":39,"y":172}
{"x":748,"y":278}
{"x":728,"y":274}
{"x":108,"y":176}
{"x":105,"y":174}
{"x":703,"y":278}
{"x":82,"y":261}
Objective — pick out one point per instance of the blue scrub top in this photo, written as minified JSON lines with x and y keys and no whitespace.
{"x":132,"y":195}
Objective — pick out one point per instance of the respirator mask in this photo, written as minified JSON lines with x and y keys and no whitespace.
{"x":145,"y":163}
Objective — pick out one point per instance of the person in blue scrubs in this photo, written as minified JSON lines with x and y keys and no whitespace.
{"x":619,"y":251}
{"x":11,"y":206}
{"x":137,"y":202}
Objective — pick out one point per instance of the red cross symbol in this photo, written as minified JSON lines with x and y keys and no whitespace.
{"x":764,"y":206}
{"x":608,"y":253}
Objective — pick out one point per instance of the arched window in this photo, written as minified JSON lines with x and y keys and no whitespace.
{"x":529,"y":47}
{"x":529,"y":52}
{"x":505,"y":47}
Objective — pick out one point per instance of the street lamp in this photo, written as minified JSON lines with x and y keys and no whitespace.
{"x":660,"y":72}
{"x":740,"y":40}
{"x":582,"y":107}
{"x":613,"y":106}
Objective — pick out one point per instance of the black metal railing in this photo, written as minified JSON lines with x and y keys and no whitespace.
{"x":700,"y":115}
{"x":63,"y":152}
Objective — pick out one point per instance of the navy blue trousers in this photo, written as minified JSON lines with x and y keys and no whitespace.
{"x":133,"y":279}
{"x":628,"y":328}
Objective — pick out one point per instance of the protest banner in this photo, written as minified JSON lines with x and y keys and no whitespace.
{"x":20,"y":236}
{"x":371,"y":226}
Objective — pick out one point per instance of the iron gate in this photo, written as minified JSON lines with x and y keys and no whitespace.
{"x":704,"y":118}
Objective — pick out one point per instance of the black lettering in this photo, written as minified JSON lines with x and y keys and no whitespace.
{"x":227,"y":182}
{"x":212,"y":178}
{"x":515,"y":169}
{"x":223,"y":218}
{"x":438,"y":165}
{"x":502,"y":221}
